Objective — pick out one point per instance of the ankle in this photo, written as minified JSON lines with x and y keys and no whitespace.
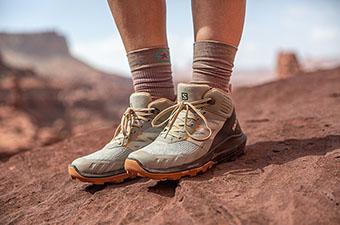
{"x":151,"y":72}
{"x":213,"y":64}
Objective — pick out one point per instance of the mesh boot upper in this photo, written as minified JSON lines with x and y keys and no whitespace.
{"x":175,"y":146}
{"x":109,"y":160}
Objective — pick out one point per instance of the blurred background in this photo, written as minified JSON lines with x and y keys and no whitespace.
{"x":63,"y":69}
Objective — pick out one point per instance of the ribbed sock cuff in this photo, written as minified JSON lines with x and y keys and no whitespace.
{"x":213,"y":63}
{"x":151,"y":72}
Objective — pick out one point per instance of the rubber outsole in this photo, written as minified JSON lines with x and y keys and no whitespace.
{"x":134,"y":168}
{"x":119,"y":178}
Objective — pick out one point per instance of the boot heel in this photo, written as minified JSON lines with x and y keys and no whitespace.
{"x":232,"y":154}
{"x":239,"y":151}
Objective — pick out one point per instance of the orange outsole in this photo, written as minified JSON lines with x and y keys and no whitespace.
{"x":112,"y":179}
{"x":132,"y":167}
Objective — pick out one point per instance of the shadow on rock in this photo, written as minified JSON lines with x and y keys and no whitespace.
{"x":262,"y":154}
{"x":258,"y":156}
{"x":165,"y":188}
{"x":93,"y":188}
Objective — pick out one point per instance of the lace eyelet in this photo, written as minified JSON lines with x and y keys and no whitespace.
{"x":211,"y":102}
{"x":156,"y":111}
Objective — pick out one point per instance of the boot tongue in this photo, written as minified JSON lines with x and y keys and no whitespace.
{"x":191,"y":92}
{"x":140,"y":100}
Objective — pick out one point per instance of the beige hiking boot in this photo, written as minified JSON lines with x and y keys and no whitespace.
{"x":201,"y":131}
{"x":134,"y":132}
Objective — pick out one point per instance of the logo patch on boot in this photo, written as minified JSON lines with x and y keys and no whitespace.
{"x":184,"y":96}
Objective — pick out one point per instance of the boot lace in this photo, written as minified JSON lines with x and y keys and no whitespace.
{"x":177,"y":124}
{"x":132,"y":118}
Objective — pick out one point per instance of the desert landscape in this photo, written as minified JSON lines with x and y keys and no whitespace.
{"x":290,"y":173}
{"x":47,"y":95}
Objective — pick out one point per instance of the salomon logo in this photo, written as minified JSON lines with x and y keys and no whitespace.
{"x":184,"y":96}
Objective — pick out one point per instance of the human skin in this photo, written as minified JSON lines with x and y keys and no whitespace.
{"x":218,"y":20}
{"x":141,"y":23}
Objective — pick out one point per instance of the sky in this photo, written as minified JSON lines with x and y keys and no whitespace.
{"x":309,"y":27}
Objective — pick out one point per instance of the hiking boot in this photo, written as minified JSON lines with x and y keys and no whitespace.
{"x":134,"y":132}
{"x":201,"y":131}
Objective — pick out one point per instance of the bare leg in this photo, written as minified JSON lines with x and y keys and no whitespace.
{"x":141,"y":23}
{"x":142,"y":27}
{"x":218,"y":26}
{"x":219,"y":20}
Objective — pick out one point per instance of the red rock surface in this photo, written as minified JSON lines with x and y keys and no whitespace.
{"x":289,"y":175}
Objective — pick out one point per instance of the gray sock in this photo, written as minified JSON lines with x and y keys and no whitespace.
{"x":151,"y":72}
{"x":213,"y":63}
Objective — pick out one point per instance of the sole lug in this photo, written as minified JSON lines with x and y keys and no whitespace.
{"x":133,"y":166}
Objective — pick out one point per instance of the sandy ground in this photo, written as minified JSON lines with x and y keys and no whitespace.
{"x":290,"y":174}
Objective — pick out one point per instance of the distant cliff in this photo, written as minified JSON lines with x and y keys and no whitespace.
{"x":40,"y":45}
{"x":40,"y":81}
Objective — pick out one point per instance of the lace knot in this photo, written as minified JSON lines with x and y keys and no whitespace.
{"x":130,"y":119}
{"x":175,"y":110}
